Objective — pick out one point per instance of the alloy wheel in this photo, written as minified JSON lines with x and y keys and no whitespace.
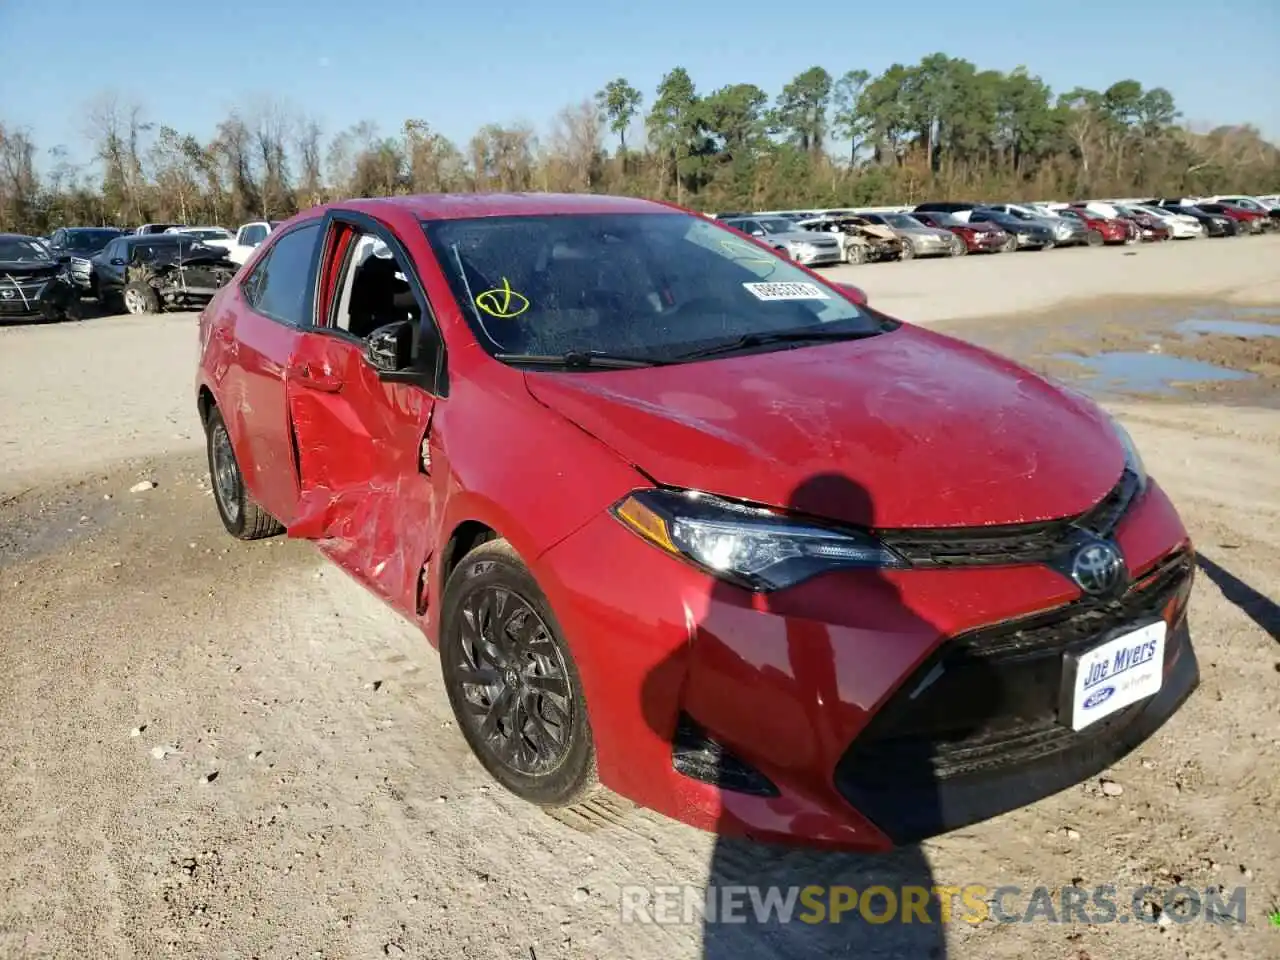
{"x":133,"y":302}
{"x":514,"y":682}
{"x":226,"y":473}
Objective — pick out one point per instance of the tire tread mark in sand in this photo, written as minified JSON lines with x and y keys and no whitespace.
{"x":597,"y":813}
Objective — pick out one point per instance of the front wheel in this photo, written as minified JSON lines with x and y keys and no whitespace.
{"x":1010,"y":245}
{"x":958,"y":247}
{"x":141,"y":298}
{"x":1095,"y":238}
{"x":854,"y":253}
{"x":512,"y":682}
{"x":908,"y":251}
{"x":1049,"y":245}
{"x":243,"y":518}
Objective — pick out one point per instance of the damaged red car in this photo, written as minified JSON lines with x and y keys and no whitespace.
{"x":690,"y":521}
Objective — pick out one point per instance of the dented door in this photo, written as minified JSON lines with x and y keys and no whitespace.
{"x":366,"y":493}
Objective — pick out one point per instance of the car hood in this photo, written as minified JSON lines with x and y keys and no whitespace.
{"x":26,"y":268}
{"x":935,"y":431}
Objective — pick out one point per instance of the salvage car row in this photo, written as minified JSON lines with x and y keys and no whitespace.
{"x":142,"y":270}
{"x":952,"y":228}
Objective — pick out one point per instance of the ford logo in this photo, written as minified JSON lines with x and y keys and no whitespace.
{"x":1098,"y":696}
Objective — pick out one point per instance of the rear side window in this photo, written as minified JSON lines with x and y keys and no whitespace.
{"x":279,"y":285}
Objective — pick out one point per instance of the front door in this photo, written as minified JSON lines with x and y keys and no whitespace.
{"x":365,"y":478}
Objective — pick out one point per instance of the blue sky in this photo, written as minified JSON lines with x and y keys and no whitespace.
{"x":345,"y":60}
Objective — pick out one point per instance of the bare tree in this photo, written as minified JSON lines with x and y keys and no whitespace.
{"x":18,"y":184}
{"x":577,"y":137}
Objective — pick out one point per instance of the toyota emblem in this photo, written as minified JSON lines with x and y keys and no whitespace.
{"x":1097,"y":567}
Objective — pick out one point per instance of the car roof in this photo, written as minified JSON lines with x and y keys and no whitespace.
{"x":455,"y":206}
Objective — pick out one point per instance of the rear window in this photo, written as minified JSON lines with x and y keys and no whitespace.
{"x":646,"y":284}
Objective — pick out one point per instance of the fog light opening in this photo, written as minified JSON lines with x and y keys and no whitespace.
{"x":697,"y":756}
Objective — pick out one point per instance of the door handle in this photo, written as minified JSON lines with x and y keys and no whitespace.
{"x":308,"y":376}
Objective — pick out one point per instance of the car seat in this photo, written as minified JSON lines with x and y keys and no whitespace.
{"x":376,"y":296}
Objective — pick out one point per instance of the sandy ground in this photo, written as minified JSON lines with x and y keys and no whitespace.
{"x":213,"y":749}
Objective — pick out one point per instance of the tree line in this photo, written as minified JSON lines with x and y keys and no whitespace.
{"x":938,"y":129}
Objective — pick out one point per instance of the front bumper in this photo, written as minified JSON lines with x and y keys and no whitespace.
{"x":819,"y":257}
{"x":21,"y":299}
{"x":985,"y":242}
{"x":790,"y":686}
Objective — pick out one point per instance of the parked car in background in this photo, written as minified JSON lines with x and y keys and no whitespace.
{"x":811,"y":248}
{"x":1249,"y":221}
{"x":1027,"y":234}
{"x":77,"y":246}
{"x":977,"y":237}
{"x":1215,"y":224}
{"x":1255,"y":204}
{"x":213,"y":236}
{"x":1067,"y":232}
{"x":861,"y":240}
{"x":1111,"y":229}
{"x":944,"y":206}
{"x":917,"y":239}
{"x":149,"y":228}
{"x":1181,"y":226}
{"x":815,"y":575}
{"x":1149,"y":228}
{"x":26,"y":268}
{"x":144,"y":273}
{"x":249,"y":237}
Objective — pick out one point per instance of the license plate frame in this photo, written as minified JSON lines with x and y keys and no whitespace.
{"x":1085,"y":700}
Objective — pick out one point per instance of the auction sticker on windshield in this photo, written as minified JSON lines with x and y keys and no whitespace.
{"x":782,"y":290}
{"x":1115,"y":674}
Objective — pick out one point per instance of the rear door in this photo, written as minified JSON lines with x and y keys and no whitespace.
{"x":260,"y":324}
{"x":367,"y":491}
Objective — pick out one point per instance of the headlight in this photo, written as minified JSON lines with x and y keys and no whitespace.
{"x":1132,"y":459}
{"x":754,"y":547}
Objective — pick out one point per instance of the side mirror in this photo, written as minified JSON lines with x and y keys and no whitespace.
{"x":854,"y":293}
{"x":390,"y":347}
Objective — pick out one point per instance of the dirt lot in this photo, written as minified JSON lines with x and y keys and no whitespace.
{"x":223,"y":750}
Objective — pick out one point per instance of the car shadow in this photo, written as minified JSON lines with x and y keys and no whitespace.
{"x":795,"y":694}
{"x":1260,"y":608}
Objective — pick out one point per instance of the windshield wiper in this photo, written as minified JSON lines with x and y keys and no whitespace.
{"x":580,"y":359}
{"x":749,"y":340}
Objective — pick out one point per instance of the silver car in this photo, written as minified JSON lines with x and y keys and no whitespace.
{"x":803,"y":246}
{"x":918,"y":240}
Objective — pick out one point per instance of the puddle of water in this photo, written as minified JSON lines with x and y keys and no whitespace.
{"x":1149,"y":372}
{"x":1234,"y":328}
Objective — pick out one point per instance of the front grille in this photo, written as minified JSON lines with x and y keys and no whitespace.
{"x":1045,"y":542}
{"x":990,"y":698}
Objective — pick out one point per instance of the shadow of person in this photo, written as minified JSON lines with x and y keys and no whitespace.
{"x":1257,"y":606}
{"x":779,"y":685}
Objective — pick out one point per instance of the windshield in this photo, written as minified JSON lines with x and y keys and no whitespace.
{"x":210,"y":234}
{"x":776,"y":224}
{"x":902,"y":221}
{"x":22,"y":250}
{"x":651,"y":285}
{"x":943,"y":220}
{"x":89,"y":241}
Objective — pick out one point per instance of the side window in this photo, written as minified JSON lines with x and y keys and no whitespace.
{"x":254,"y":235}
{"x":280,"y":284}
{"x":373,"y":289}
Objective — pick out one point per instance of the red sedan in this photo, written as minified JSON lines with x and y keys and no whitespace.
{"x":1249,"y":221}
{"x":689,"y":520}
{"x":977,"y":237}
{"x":1111,"y":229}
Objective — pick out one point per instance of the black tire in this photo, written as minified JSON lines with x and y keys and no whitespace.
{"x":1095,"y":238}
{"x":908,"y":251}
{"x":958,"y":247}
{"x":855,"y":254}
{"x":493,"y":582}
{"x":140,"y":298}
{"x":240,"y":513}
{"x":1010,"y":245}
